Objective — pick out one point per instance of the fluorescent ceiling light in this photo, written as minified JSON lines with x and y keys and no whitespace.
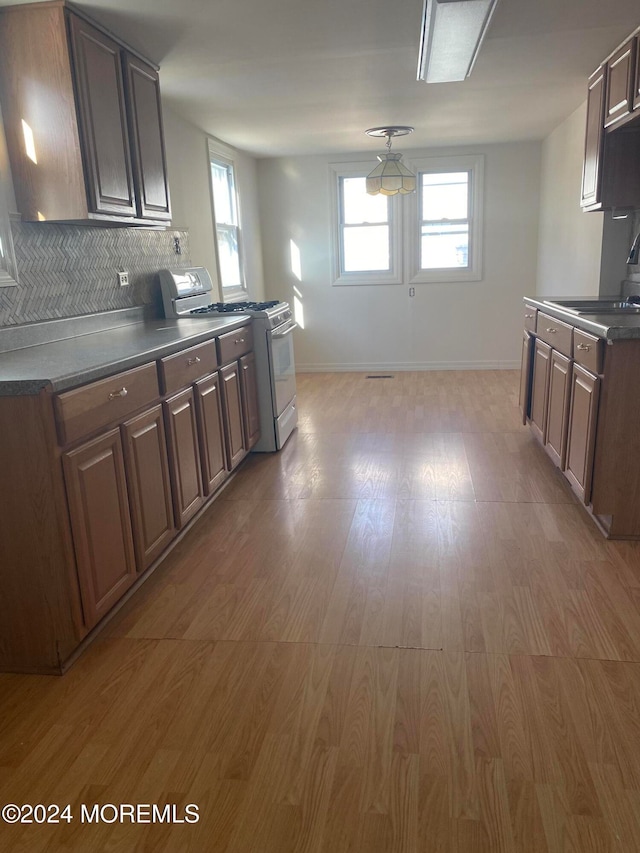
{"x":452,"y":33}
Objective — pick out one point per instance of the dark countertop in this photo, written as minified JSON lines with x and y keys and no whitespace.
{"x":64,"y":364}
{"x":611,"y":327}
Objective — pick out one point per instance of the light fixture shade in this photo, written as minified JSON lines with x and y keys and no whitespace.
{"x":390,"y":176}
{"x":452,"y":33}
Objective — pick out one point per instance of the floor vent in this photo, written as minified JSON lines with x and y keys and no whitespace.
{"x":381,"y":376}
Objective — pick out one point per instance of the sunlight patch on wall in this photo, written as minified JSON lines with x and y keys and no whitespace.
{"x":29,"y":143}
{"x":296,"y":262}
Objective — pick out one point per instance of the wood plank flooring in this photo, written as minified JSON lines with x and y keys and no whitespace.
{"x":401,"y":634}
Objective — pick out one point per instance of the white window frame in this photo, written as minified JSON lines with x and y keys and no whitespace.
{"x":222,"y":155}
{"x":339,"y":277}
{"x":474,"y":164}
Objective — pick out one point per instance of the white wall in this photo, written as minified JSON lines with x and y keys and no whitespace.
{"x":188,"y":166}
{"x":578,"y":253}
{"x":471,"y":324}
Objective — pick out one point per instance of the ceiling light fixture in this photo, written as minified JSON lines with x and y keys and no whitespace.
{"x":390,"y":176}
{"x":452,"y":33}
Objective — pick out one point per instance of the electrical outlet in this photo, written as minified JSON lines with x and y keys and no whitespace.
{"x":123,"y":278}
{"x":412,"y":291}
{"x":177,"y":248}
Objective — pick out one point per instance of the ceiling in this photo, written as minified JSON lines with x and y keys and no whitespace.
{"x":276,"y":77}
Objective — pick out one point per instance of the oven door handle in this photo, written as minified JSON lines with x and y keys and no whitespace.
{"x":286,"y":332}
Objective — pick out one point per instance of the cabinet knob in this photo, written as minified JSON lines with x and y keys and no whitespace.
{"x":239,"y":340}
{"x":553,"y":331}
{"x":528,"y":316}
{"x":584,"y":347}
{"x":194,"y":360}
{"x":121,"y":393}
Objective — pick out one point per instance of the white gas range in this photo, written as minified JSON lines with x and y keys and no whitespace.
{"x":186,"y":293}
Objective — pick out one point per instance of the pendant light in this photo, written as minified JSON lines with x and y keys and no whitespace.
{"x":390,"y":176}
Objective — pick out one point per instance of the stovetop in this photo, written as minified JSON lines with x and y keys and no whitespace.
{"x":237,"y":307}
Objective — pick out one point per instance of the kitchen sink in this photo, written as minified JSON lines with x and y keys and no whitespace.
{"x":596,"y":306}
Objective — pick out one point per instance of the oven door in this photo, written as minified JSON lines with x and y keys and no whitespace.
{"x":283,"y":368}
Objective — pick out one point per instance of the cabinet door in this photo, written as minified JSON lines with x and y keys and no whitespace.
{"x":147,"y":136}
{"x":540,"y":389}
{"x":184,"y":457}
{"x":636,"y":86}
{"x":103,"y":120}
{"x":100,"y":521}
{"x":249,"y":388}
{"x":620,"y":80}
{"x":211,"y":432}
{"x":592,"y":167}
{"x":558,"y":408}
{"x":233,"y":418}
{"x":525,"y":376}
{"x":585,"y":389}
{"x":147,"y":469}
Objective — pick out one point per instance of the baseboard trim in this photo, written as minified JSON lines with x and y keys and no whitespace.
{"x":406,"y":366}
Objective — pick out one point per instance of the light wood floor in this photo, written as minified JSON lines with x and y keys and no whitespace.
{"x":399,"y":635}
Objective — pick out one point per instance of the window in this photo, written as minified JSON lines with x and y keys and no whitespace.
{"x":433,"y":234}
{"x":227,"y":224}
{"x":366,"y":230}
{"x":445,"y":229}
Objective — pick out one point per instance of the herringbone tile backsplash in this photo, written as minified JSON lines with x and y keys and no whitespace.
{"x":66,"y":270}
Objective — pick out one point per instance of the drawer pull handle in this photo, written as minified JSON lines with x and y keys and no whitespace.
{"x":121,"y":393}
{"x":551,"y":330}
{"x":239,"y":340}
{"x":194,"y":360}
{"x":584,"y":347}
{"x":528,"y":316}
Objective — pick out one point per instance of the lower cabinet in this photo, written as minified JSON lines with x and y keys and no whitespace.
{"x":147,"y":465}
{"x":101,"y":523}
{"x":558,"y":407}
{"x":184,"y":455}
{"x":585,"y":390}
{"x":211,"y":432}
{"x":99,"y":480}
{"x":233,"y":414}
{"x":540,"y":389}
{"x":524,"y":400}
{"x":249,"y":388}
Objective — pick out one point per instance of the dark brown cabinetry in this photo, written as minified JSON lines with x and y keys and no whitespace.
{"x":620,"y":79}
{"x":147,"y":467}
{"x":540,"y":388}
{"x":525,"y":376}
{"x":611,"y":168}
{"x":211,"y":432}
{"x":594,"y":139}
{"x":584,"y":395}
{"x":558,"y":407}
{"x":100,"y":522}
{"x":233,"y":414}
{"x":184,"y":458}
{"x":82,"y":118}
{"x":100,"y":480}
{"x":582,"y":430}
{"x":249,"y":388}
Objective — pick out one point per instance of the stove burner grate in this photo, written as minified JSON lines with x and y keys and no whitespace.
{"x":234,"y":307}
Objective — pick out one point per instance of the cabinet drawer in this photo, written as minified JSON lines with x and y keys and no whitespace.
{"x":530,"y":318}
{"x":588,"y":351}
{"x":234,"y":344}
{"x":555,"y":333}
{"x":83,"y":410}
{"x":180,"y":370}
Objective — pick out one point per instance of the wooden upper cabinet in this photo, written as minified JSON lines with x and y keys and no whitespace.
{"x":594,"y":138}
{"x":620,"y":83}
{"x":97,"y":63}
{"x":82,"y":119}
{"x":147,"y":136}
